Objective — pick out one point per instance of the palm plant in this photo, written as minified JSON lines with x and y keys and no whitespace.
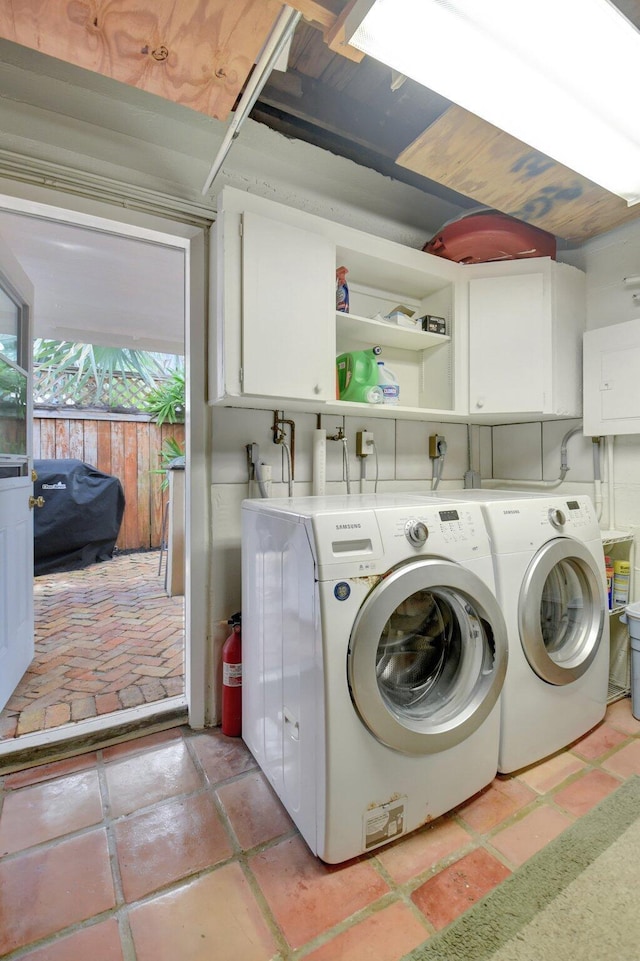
{"x":166,"y":401}
{"x":93,"y":373}
{"x":167,"y":404}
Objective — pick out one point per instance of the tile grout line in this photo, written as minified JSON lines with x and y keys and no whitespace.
{"x":240,"y":856}
{"x":121,"y":906}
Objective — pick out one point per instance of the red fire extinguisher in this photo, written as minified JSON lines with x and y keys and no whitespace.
{"x":232,"y":679}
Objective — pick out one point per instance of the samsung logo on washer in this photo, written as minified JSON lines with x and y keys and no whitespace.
{"x":516,"y":510}
{"x":347,"y":527}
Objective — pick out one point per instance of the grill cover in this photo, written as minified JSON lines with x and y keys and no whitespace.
{"x":81,"y":517}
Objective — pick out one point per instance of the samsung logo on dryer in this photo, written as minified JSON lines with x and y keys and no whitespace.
{"x":347,"y":527}
{"x":516,"y":510}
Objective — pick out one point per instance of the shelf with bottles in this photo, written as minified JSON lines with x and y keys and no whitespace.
{"x":619,"y":546}
{"x":380,"y":282}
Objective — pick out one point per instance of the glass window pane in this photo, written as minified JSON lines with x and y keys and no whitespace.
{"x":9,"y":316}
{"x":13,"y":410}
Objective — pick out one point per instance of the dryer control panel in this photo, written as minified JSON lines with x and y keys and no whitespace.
{"x":521,"y":525}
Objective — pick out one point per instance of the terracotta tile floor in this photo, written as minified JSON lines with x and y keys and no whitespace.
{"x":106,"y":638}
{"x":173,"y":846}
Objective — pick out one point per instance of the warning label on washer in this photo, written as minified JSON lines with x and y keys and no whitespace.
{"x":384,"y":821}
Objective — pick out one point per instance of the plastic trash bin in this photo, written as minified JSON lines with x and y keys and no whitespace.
{"x":631,"y":618}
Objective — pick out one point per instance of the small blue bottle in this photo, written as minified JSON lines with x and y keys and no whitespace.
{"x":342,"y":290}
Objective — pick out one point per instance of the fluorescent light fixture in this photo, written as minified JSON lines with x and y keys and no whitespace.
{"x":561,"y":75}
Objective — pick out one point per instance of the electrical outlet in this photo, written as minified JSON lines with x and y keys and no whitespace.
{"x":364,"y":442}
{"x":435,"y":440}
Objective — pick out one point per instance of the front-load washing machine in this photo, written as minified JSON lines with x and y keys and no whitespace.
{"x":550,"y":582}
{"x":374,"y":653}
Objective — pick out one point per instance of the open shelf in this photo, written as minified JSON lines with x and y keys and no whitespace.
{"x":370,"y":331}
{"x":620,"y":545}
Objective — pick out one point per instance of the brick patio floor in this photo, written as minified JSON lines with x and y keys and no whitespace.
{"x":106,"y":638}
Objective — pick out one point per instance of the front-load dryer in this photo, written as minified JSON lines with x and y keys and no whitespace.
{"x":374,"y":653}
{"x":550,"y":583}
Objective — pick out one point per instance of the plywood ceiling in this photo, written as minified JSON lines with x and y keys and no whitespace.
{"x":200,"y":53}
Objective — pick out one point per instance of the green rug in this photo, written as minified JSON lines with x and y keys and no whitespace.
{"x":576,"y":899}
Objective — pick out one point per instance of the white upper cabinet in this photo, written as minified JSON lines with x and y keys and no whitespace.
{"x":275,"y":332}
{"x":526,"y":320}
{"x":288,"y":341}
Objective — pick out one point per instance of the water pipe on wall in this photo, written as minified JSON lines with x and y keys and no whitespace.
{"x":472,"y":477}
{"x":564,"y":467}
{"x":340,"y":436}
{"x":319,"y":466}
{"x":610,"y":492}
{"x":256,"y":468}
{"x":597,"y":476}
{"x":438,"y":462}
{"x":345,"y":461}
{"x":365,"y":445}
{"x":363,"y":474}
{"x":289,"y":450}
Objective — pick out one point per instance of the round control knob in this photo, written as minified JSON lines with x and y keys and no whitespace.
{"x":416,"y":533}
{"x":557,"y":517}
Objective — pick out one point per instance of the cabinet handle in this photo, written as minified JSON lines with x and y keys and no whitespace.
{"x":480,"y":402}
{"x":316,"y":389}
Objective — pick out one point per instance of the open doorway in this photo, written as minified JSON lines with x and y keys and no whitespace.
{"x":110,"y":288}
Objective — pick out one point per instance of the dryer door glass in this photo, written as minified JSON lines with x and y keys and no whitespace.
{"x":561,"y":612}
{"x":427,"y":656}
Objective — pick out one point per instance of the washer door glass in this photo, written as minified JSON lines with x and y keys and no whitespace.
{"x":561,"y":611}
{"x":427,"y":656}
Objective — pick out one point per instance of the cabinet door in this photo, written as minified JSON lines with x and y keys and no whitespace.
{"x":288,"y":310}
{"x":508,"y":324}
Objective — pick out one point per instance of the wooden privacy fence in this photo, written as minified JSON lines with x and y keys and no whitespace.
{"x":127,"y":447}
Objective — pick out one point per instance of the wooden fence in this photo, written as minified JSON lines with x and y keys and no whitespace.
{"x":128,"y":449}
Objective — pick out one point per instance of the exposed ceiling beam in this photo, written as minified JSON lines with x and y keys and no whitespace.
{"x":335,"y":142}
{"x":332,"y":26}
{"x":395,"y":123}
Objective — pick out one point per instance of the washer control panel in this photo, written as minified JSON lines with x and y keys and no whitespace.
{"x":557,"y":517}
{"x":416,"y":532}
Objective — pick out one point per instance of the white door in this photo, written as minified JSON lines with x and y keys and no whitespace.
{"x":16,"y":486}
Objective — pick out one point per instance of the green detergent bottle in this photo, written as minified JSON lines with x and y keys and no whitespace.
{"x":358,"y":376}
